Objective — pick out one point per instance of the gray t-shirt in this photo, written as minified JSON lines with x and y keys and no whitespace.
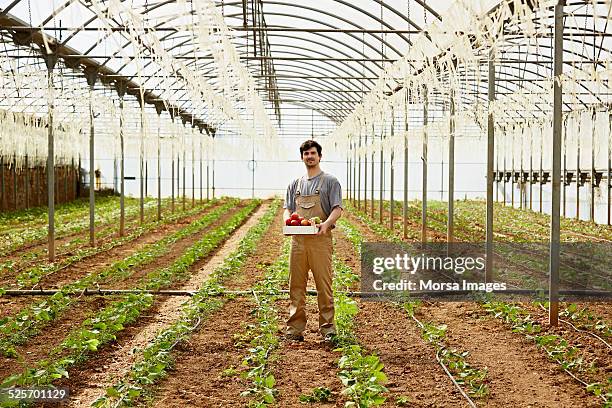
{"x":331,"y":192}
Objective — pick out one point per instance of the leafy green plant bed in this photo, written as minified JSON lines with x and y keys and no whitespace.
{"x":32,"y":276}
{"x":73,"y":218}
{"x":104,"y":327}
{"x":156,"y":358}
{"x":264,"y":341}
{"x":556,"y":347}
{"x":27,"y":323}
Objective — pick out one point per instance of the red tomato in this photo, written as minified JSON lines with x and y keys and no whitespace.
{"x":295,"y":216}
{"x":288,"y":221}
{"x":295,"y":223}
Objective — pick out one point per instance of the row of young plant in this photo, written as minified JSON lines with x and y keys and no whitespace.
{"x":95,"y":332}
{"x":511,"y":225}
{"x":16,"y":220}
{"x":465,"y":375}
{"x":361,"y":373}
{"x":558,"y":349}
{"x":555,"y":346}
{"x":30,"y":277}
{"x":519,"y":225}
{"x":156,"y":358}
{"x":264,"y":334}
{"x":28,"y":322}
{"x":105,"y":214}
{"x":104,"y":232}
{"x":522,"y":243}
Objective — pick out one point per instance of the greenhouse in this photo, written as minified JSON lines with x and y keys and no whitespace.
{"x":215,"y":203}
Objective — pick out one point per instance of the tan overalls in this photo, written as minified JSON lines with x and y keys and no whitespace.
{"x":310,"y":252}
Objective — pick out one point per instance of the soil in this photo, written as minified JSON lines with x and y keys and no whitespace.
{"x":167,"y":312}
{"x":519,"y":373}
{"x":197,"y":378}
{"x":39,"y":346}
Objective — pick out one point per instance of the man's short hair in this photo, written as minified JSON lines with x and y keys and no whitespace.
{"x":309,"y":144}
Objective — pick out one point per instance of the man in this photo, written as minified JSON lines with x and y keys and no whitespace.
{"x":316,"y":194}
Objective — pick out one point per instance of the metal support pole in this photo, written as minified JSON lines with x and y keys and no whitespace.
{"x":121,"y":89}
{"x":27,"y":183}
{"x":405,"y":204}
{"x":505,"y":136}
{"x":192,"y":169}
{"x":555,"y":226}
{"x":354,"y":173}
{"x":424,"y":164}
{"x":381,"y":176}
{"x":172,"y":174}
{"x":609,"y":183}
{"x":450,"y":225}
{"x":178,"y":172}
{"x":530,"y":173}
{"x":213,"y":169}
{"x":15,"y":203}
{"x":490,"y":153}
{"x":91,"y":76}
{"x":359,"y":173}
{"x":564,"y":147}
{"x":372,"y":181}
{"x":513,"y":169}
{"x":391,"y":174}
{"x":201,"y":168}
{"x":365,"y":174}
{"x":141,"y":158}
{"x":184,"y":169}
{"x":158,"y":108}
{"x":2,"y":188}
{"x":578,"y":174}
{"x":348,"y":174}
{"x":50,"y":61}
{"x":592,"y":209}
{"x":541,"y":173}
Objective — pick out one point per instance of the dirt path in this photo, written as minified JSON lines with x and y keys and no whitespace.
{"x":520,"y":375}
{"x":410,"y":363}
{"x":167,"y":312}
{"x":198,"y":378}
{"x":39,"y":346}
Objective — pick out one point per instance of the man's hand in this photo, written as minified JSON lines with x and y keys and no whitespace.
{"x":331,"y":220}
{"x":323,"y":227}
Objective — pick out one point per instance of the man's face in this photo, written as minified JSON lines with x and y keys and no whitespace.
{"x":311,"y":157}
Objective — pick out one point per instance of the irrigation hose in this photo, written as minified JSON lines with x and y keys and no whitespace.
{"x":583,"y":331}
{"x":448,"y":373}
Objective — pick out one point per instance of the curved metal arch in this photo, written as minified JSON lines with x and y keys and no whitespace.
{"x":301,"y":63}
{"x":108,"y":59}
{"x":310,"y":68}
{"x":315,"y":42}
{"x":306,"y":105}
{"x":570,"y":65}
{"x":239,"y":46}
{"x":94,"y":18}
{"x":169,"y":36}
{"x":359,"y":9}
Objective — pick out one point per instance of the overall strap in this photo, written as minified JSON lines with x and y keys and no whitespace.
{"x":320,"y":183}
{"x":299,"y":186}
